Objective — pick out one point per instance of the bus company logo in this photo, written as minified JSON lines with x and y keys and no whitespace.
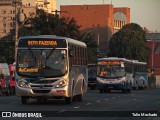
{"x":6,"y":114}
{"x":28,"y":69}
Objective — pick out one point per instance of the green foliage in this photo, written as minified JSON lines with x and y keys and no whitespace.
{"x":130,"y":43}
{"x":6,"y":51}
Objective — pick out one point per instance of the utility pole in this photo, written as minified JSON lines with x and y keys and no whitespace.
{"x":16,"y":4}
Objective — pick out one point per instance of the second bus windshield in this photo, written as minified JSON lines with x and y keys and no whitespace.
{"x":111,"y":71}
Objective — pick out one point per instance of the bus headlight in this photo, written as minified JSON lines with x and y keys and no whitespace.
{"x":61,"y":84}
{"x":23,"y":84}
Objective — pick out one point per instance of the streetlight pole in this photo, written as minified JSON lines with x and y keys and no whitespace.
{"x":16,"y":3}
{"x":89,"y":32}
{"x":96,"y":28}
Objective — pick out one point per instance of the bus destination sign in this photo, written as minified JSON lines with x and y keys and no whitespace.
{"x":109,"y":62}
{"x":42,"y":43}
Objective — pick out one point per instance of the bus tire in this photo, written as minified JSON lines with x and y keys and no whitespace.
{"x":24,"y":99}
{"x":80,"y":96}
{"x":68,"y":100}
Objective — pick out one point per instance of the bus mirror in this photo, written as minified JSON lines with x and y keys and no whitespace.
{"x":70,"y":53}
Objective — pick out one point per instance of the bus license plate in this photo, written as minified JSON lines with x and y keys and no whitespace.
{"x":110,"y":87}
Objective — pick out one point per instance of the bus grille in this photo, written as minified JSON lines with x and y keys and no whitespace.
{"x":43,"y":81}
{"x":39,"y":86}
{"x":41,"y":91}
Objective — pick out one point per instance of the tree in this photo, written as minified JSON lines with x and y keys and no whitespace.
{"x":130,"y":43}
{"x":50,"y":24}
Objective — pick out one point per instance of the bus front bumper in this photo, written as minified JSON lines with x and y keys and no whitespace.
{"x":40,"y":92}
{"x":110,"y":86}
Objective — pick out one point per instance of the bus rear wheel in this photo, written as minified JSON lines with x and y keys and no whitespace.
{"x":80,"y":96}
{"x":68,"y":100}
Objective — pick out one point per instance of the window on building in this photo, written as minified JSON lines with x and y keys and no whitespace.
{"x":4,"y":24}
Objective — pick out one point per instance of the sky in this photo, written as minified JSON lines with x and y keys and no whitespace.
{"x":146,"y":13}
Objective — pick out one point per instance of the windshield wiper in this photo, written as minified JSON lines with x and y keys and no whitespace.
{"x":50,"y":54}
{"x":32,"y":53}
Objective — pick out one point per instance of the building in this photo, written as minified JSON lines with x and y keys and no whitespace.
{"x":7,"y":16}
{"x":153,"y":42}
{"x":103,"y":20}
{"x":47,"y":5}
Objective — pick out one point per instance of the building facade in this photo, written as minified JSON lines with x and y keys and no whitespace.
{"x":153,"y":42}
{"x":48,"y":6}
{"x":103,"y":20}
{"x":7,"y":16}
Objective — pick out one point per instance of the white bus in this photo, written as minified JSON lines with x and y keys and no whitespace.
{"x":140,"y":80}
{"x":49,"y":66}
{"x":114,"y":74}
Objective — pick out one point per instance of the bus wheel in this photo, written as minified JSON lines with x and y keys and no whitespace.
{"x":68,"y":100}
{"x":24,"y":99}
{"x":80,"y":96}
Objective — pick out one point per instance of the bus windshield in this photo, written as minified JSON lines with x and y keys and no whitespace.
{"x":42,"y":62}
{"x":111,"y":71}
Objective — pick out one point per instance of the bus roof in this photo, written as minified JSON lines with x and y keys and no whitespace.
{"x":114,"y":59}
{"x":137,"y":62}
{"x":69,"y":40}
{"x":121,"y":59}
{"x":92,"y":64}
